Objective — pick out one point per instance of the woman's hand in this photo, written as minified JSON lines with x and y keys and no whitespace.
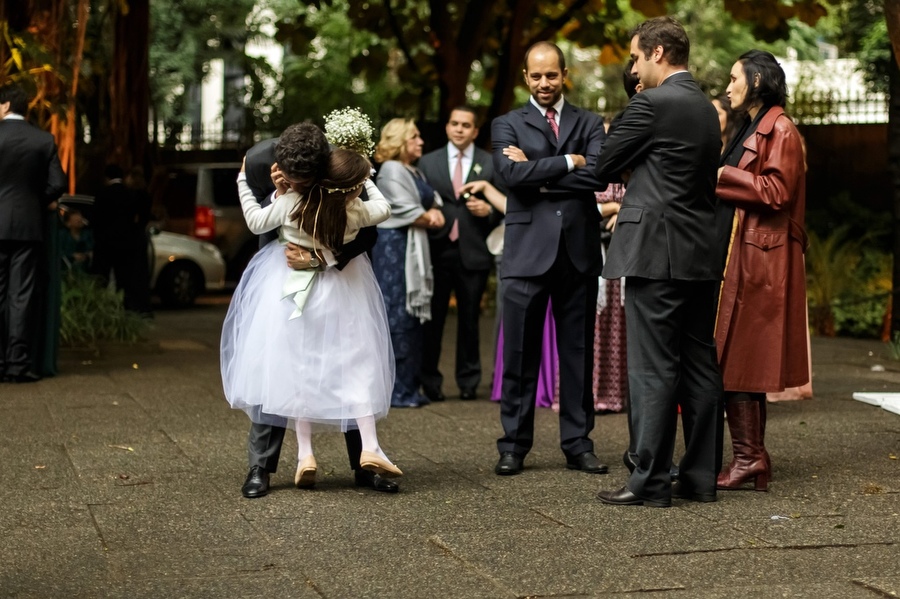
{"x":515,"y":154}
{"x":281,"y":185}
{"x":473,"y":187}
{"x":435,"y":218}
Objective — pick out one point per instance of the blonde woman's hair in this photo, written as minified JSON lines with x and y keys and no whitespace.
{"x":394,"y":135}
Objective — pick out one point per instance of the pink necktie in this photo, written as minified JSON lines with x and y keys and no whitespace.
{"x":551,"y":118}
{"x":457,"y":183}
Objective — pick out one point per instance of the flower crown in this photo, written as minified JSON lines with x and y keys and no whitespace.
{"x":345,"y":189}
{"x":350,"y":129}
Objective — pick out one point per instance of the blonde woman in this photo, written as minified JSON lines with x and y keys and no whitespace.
{"x":401,"y":257}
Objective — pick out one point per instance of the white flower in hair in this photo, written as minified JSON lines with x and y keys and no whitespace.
{"x":350,"y":129}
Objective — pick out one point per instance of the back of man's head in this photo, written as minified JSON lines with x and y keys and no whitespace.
{"x":302,"y":152}
{"x":113,"y":171}
{"x":668,"y":33}
{"x":17,"y":98}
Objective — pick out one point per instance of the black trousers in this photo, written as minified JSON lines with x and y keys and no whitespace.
{"x":18,"y":280}
{"x":671,"y":362}
{"x":574,"y":298}
{"x":451,"y":276}
{"x":129,"y":264}
{"x":264,"y":446}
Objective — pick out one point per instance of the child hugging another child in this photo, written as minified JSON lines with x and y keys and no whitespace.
{"x":312,"y":346}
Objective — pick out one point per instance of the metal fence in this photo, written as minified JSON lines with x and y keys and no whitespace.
{"x":826,"y":108}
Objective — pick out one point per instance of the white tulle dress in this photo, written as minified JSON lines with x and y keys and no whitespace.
{"x":332,"y":363}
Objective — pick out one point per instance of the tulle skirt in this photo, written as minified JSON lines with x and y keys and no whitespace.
{"x":331,"y":365}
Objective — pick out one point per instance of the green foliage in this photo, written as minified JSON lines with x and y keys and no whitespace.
{"x":92,"y":313}
{"x":848,"y":284}
{"x":894,"y":345}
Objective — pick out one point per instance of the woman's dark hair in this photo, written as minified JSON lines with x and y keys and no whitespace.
{"x":630,"y":80}
{"x":772,"y":88}
{"x":665,"y":32}
{"x":731,"y":119}
{"x":302,"y":151}
{"x":323,"y":212}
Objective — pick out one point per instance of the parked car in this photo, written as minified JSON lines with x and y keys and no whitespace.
{"x":201,"y":200}
{"x":181,"y":267}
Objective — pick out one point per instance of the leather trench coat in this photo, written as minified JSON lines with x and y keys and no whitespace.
{"x":762,"y":321}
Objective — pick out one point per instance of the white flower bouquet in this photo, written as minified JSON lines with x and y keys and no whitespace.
{"x":350,"y":129}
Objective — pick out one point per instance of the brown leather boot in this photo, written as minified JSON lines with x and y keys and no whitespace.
{"x":763,"y":409}
{"x":749,"y":462}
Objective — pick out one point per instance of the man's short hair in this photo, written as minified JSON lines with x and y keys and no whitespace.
{"x":302,"y":151}
{"x":772,"y":88}
{"x":113,"y":171}
{"x":17,"y":98}
{"x":466,"y":108}
{"x":665,"y":32}
{"x":546,"y":46}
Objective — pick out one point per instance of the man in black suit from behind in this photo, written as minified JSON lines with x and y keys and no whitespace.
{"x":31,"y":180}
{"x":264,"y":441}
{"x":459,"y":255}
{"x":551,"y":251}
{"x":664,"y":244}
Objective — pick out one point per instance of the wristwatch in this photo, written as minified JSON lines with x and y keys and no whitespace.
{"x":313,"y":260}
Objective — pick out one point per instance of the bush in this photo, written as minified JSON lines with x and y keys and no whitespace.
{"x":92,"y":312}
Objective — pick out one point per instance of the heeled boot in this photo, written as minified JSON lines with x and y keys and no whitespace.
{"x":749,"y":462}
{"x":763,"y":410}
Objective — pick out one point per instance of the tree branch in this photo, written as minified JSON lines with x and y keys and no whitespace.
{"x":556,"y":24}
{"x":398,"y":33}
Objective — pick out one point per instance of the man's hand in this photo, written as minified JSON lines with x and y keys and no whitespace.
{"x":299,"y":258}
{"x":435,"y":218}
{"x":578,"y":160}
{"x":515,"y":154}
{"x":281,"y":186}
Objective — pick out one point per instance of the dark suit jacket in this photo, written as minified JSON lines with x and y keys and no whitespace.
{"x":258,"y":168}
{"x":473,"y":230}
{"x":31,"y":178}
{"x":669,"y":136}
{"x":544,"y":200}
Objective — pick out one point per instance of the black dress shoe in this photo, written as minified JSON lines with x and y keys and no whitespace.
{"x":467,"y":394}
{"x":682,"y":491}
{"x":433,"y":394}
{"x":625,"y":497}
{"x":370,"y":480}
{"x":257,"y":483}
{"x":27,"y":377}
{"x":586,"y":462}
{"x":509,"y":464}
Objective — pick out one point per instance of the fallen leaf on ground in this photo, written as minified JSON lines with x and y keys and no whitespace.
{"x":124,"y":447}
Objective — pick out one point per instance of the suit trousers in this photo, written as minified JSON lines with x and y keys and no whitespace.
{"x":18,"y":279}
{"x":672,"y":362}
{"x":574,"y":297}
{"x":264,"y":446}
{"x":451,"y":276}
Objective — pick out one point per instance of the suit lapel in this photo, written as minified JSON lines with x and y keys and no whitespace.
{"x":567,"y":122}
{"x":534,"y":118}
{"x":477,"y":167}
{"x":444,"y":169}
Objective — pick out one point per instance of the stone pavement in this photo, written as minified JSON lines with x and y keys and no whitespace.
{"x":123,"y":479}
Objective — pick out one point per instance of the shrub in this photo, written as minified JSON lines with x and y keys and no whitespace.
{"x":92,"y":312}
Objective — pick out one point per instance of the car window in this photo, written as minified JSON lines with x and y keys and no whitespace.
{"x":179,"y":194}
{"x":224,"y":184}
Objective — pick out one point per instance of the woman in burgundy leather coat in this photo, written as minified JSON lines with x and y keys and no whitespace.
{"x":761,"y":326}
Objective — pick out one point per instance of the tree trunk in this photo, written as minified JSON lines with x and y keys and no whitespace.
{"x":892,"y":16}
{"x":129,"y":86}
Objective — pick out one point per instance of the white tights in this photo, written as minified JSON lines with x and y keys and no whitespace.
{"x":367,"y":432}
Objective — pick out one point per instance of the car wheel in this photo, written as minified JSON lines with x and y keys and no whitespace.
{"x":179,"y":284}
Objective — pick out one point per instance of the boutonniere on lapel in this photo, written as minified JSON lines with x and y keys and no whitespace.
{"x":476,"y":168}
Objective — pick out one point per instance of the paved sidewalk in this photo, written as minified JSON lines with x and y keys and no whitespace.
{"x":123,"y":479}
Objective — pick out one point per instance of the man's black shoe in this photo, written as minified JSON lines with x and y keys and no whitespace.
{"x":257,"y":483}
{"x":681,"y":491}
{"x":625,"y":497}
{"x":28,"y":377}
{"x":509,"y":464}
{"x":433,"y":394}
{"x":467,"y":394}
{"x":370,"y":480}
{"x":586,"y":462}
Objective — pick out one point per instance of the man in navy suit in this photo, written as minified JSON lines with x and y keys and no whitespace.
{"x":31,"y":180}
{"x":551,"y":251}
{"x":459,"y":254}
{"x":665,"y":246}
{"x":308,"y":159}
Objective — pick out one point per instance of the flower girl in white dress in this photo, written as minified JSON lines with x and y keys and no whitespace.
{"x":313,"y":346}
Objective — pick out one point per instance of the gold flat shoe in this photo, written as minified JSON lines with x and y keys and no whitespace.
{"x":306,"y":473}
{"x":378,"y":465}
